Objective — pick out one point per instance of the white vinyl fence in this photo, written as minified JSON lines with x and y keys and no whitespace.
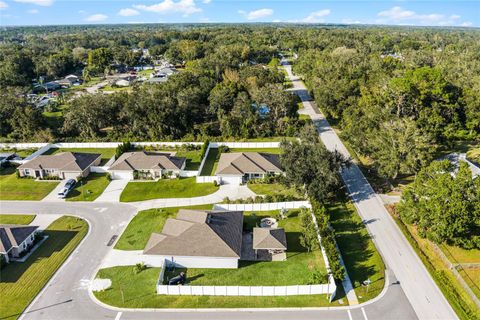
{"x":248,"y":291}
{"x":262,"y":206}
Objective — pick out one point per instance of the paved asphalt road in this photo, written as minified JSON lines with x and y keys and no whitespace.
{"x":420,"y":289}
{"x":67,"y":295}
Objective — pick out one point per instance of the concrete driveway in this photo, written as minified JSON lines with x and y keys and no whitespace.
{"x":113,"y":191}
{"x":53,"y":196}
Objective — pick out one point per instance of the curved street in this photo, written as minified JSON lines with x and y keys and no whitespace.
{"x":67,"y":295}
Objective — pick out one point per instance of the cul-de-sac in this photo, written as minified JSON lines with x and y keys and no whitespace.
{"x":273,"y":165}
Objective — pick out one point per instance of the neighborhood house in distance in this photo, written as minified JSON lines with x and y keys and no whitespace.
{"x":214,"y":239}
{"x":15,"y":240}
{"x":239,"y":167}
{"x":138,"y":165}
{"x":64,"y":165}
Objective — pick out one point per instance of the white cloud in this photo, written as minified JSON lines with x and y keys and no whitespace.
{"x":256,"y":14}
{"x":3,"y":5}
{"x":96,"y":17}
{"x":44,"y":3}
{"x":186,"y":7}
{"x":128,"y":12}
{"x":466,"y":24}
{"x":207,"y":1}
{"x":33,"y":11}
{"x":398,"y":15}
{"x":316,"y":16}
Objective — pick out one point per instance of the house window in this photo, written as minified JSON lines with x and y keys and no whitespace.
{"x":24,"y":246}
{"x":26,"y":171}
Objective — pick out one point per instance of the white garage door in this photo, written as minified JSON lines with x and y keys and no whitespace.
{"x":232,"y":180}
{"x":122,"y":175}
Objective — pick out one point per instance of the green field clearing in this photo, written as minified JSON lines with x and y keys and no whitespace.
{"x":21,"y":282}
{"x":273,"y":189}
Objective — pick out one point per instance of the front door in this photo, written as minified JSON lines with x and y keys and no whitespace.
{"x":37,"y":173}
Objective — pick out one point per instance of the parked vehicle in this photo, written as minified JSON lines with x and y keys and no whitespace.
{"x":67,"y":188}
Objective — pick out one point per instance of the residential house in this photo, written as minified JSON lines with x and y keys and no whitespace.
{"x":69,"y":80}
{"x":269,"y":244}
{"x":199,"y":239}
{"x":146,"y":165}
{"x":15,"y":239}
{"x":65,"y":165}
{"x":239,"y":167}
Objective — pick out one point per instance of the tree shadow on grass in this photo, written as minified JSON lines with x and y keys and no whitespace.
{"x":57,"y":240}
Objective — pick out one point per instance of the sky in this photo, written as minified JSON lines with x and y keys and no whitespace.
{"x":393,"y":12}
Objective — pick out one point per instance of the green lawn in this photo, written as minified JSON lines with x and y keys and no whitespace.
{"x":107,"y":153}
{"x":273,"y":189}
{"x":138,"y":231}
{"x":166,"y":188}
{"x":213,"y":156}
{"x":13,"y":188}
{"x":193,"y":157}
{"x":16,"y":218}
{"x":21,"y":282}
{"x":359,"y":253}
{"x":89,"y":188}
{"x":20,"y":152}
{"x":297,"y":269}
{"x":139,"y":292}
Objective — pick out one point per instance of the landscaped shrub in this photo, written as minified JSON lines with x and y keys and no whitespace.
{"x":139,"y":267}
{"x":318,"y":277}
{"x":204,"y":148}
{"x":124,"y":147}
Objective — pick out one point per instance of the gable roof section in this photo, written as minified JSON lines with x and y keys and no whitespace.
{"x":140,"y":160}
{"x":240,"y":163}
{"x":12,"y":235}
{"x":199,"y":233}
{"x":64,"y":161}
{"x":269,"y":238}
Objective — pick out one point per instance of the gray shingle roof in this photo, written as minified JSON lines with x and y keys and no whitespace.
{"x":240,"y":163}
{"x":199,"y":233}
{"x":12,"y":235}
{"x":140,"y":160}
{"x":269,"y":238}
{"x":64,"y":161}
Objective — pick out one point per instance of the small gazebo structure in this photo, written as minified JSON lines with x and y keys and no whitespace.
{"x":270,"y":243}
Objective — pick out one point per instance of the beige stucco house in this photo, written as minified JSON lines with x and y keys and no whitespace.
{"x":15,"y":239}
{"x":65,"y":165}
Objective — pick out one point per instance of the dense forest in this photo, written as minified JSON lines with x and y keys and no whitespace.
{"x":404,"y":91}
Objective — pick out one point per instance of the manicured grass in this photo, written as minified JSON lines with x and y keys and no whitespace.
{"x":193,"y":157}
{"x":13,"y":188}
{"x":16,"y":218}
{"x":21,"y":282}
{"x":361,"y":258}
{"x":460,"y":301}
{"x":106,"y":153}
{"x":213,"y":156}
{"x":273,"y":189}
{"x":20,"y":152}
{"x":89,"y":188}
{"x":211,"y":162}
{"x":166,"y":188}
{"x":139,"y":292}
{"x":296,"y":270}
{"x":138,"y":231}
